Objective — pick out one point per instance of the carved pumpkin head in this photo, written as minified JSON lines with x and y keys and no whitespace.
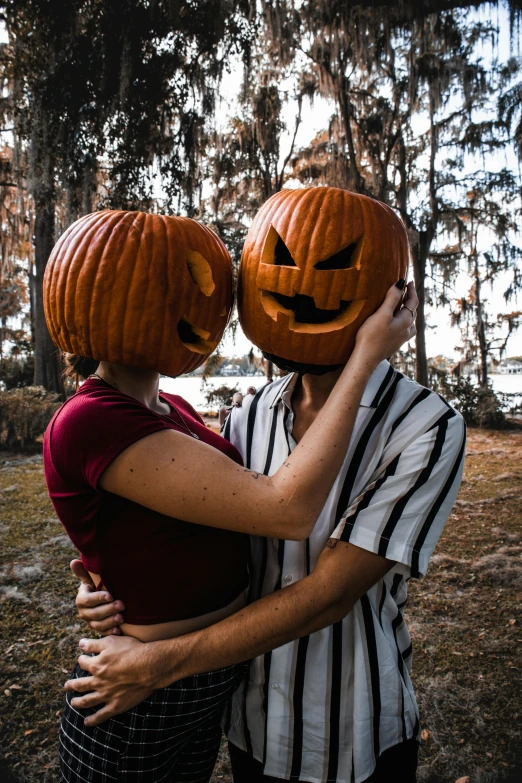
{"x":316,"y":263}
{"x":148,"y":291}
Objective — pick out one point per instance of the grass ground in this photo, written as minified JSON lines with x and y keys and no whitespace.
{"x":465,"y":620}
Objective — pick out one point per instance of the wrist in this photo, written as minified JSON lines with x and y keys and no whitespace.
{"x":169,"y":661}
{"x":364,"y":359}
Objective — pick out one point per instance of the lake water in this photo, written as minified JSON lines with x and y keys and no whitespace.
{"x":192,"y":389}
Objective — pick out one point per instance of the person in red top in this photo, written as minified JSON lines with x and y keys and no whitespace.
{"x":158,"y":507}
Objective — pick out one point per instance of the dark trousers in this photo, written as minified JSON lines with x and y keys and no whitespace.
{"x":395,"y":765}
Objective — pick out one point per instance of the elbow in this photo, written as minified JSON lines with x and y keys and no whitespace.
{"x":338,"y":607}
{"x":298,"y":529}
{"x":295,"y":535}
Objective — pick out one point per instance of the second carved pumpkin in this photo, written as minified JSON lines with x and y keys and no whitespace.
{"x":148,"y":291}
{"x":316,"y":263}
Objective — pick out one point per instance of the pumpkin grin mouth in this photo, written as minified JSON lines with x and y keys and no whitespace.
{"x":300,"y":314}
{"x":305,"y":310}
{"x":194,"y":338}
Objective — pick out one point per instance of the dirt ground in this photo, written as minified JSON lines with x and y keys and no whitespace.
{"x":465,"y":620}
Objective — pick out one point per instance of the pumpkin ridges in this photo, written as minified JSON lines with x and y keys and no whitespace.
{"x":71,"y":284}
{"x":166,"y":337}
{"x":189,"y":288}
{"x":90,"y":304}
{"x":73,"y":268}
{"x":136,"y":294}
{"x":169,"y":337}
{"x":152,"y":247}
{"x":214,"y":247}
{"x":316,"y":221}
{"x":127,"y":267}
{"x":48,"y":275}
{"x":113,"y":337}
{"x":57,"y":278}
{"x":92,"y":292}
{"x":149,"y":248}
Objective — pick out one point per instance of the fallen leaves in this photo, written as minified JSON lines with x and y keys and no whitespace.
{"x":425,"y":734}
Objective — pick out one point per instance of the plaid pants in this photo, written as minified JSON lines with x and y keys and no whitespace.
{"x":173,"y":736}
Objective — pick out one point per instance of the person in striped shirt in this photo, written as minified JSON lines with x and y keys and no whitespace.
{"x":329,"y":698}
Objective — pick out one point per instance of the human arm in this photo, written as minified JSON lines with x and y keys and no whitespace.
{"x":126,"y":671}
{"x":175,"y":475}
{"x":401,"y":512}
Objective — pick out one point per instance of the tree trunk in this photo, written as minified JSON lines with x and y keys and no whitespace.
{"x":47,"y":368}
{"x":420,"y":256}
{"x":480,"y":327}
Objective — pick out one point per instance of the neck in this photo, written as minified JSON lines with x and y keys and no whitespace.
{"x":143,"y":385}
{"x":314,"y":390}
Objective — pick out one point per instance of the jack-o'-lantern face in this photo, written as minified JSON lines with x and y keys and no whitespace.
{"x":316,"y":263}
{"x":147,"y":291}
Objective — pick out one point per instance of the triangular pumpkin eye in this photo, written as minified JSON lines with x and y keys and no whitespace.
{"x":282,"y":255}
{"x":341,"y":260}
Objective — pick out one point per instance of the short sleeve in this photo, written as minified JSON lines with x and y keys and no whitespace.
{"x":401,"y":514}
{"x":234,"y":428}
{"x":90,"y":431}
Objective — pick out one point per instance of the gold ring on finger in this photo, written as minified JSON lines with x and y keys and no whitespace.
{"x":411,"y":311}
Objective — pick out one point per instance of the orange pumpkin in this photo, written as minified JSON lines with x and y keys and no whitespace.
{"x":316,"y":263}
{"x":148,"y":291}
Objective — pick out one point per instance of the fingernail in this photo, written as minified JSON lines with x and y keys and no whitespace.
{"x":400,"y":284}
{"x":118,"y":618}
{"x":81,"y":643}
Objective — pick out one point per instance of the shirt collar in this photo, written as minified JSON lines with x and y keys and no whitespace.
{"x":370,"y":398}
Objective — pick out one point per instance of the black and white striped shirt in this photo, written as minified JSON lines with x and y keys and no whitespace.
{"x":324,"y":707}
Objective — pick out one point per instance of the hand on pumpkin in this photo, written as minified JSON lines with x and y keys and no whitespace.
{"x":383,"y":333}
{"x":96,"y":607}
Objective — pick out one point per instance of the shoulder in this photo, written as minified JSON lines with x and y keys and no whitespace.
{"x":98,"y":414}
{"x":420,"y":413}
{"x":92,"y":428}
{"x":420,"y":401}
{"x":96,"y":404}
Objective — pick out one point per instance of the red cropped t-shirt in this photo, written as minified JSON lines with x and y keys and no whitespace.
{"x":162,"y":568}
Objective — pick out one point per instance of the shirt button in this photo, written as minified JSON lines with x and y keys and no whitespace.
{"x":274,"y":686}
{"x":288,"y":578}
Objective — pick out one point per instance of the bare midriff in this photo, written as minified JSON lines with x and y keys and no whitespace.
{"x":169,"y":630}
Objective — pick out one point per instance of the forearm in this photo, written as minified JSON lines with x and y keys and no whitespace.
{"x":125,"y":671}
{"x":341,"y":576}
{"x":269,"y":623}
{"x":305,"y":477}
